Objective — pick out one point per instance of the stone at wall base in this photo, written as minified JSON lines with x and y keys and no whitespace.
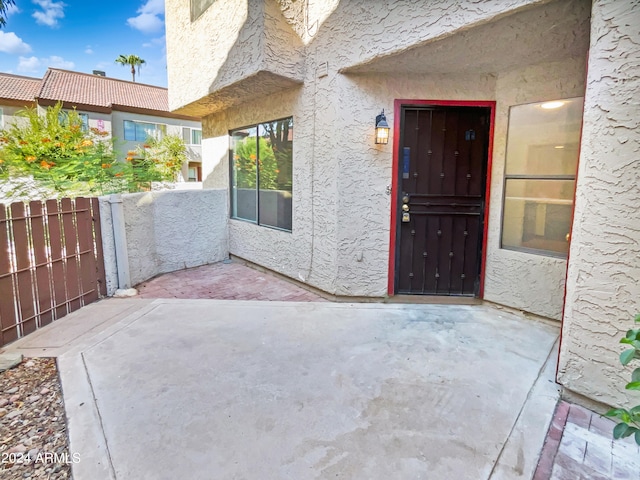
{"x":126,"y":292}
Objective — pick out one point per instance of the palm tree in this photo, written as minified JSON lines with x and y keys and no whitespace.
{"x":133,"y":60}
{"x":4,"y":5}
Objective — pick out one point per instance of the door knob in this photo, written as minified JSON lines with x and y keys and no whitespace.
{"x":405,"y":199}
{"x":405,"y":207}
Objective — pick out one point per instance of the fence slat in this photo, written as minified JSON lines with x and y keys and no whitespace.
{"x":71,"y":250}
{"x":43,"y":281}
{"x":26,"y":300}
{"x":88,"y":280}
{"x":51,"y":262}
{"x":97,"y":229}
{"x":8,"y":314}
{"x":57,"y":261}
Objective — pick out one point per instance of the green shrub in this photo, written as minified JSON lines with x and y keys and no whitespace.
{"x":629,"y":419}
{"x":51,"y":154}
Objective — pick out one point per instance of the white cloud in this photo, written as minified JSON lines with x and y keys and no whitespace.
{"x":11,"y":9}
{"x":155,"y":42}
{"x":50,"y":14}
{"x":35,"y":64}
{"x":59,"y":62}
{"x":149,"y":17}
{"x":28,"y":64}
{"x":154,"y":7}
{"x":146,"y":23}
{"x":11,"y":43}
{"x":88,"y":50}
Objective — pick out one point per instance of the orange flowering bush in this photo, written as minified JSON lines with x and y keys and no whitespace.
{"x":52,"y":155}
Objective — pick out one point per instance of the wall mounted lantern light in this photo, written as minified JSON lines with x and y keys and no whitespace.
{"x":382,"y":129}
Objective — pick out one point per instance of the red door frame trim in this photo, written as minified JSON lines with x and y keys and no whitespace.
{"x":397,"y":108}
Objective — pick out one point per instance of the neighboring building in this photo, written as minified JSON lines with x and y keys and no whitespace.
{"x":489,"y":150}
{"x":128,"y":111}
{"x":16,"y":93}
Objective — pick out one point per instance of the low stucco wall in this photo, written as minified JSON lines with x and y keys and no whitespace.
{"x":603,"y":278}
{"x":166,"y":231}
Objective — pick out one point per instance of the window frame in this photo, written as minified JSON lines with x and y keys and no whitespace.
{"x":195,"y":14}
{"x":231,"y":176}
{"x":191,"y":132}
{"x":157,"y":127}
{"x":85,"y":125}
{"x":535,"y":177}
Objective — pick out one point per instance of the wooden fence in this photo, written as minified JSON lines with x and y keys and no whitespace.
{"x":51,"y":262}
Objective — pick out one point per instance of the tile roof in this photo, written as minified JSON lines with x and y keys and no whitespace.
{"x":98,"y":91}
{"x":15,"y":87}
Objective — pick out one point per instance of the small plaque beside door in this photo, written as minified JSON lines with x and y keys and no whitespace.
{"x":406,"y":163}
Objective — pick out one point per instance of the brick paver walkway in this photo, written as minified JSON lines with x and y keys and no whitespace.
{"x":580,"y":446}
{"x":225,"y":281}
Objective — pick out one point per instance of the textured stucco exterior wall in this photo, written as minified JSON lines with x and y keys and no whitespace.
{"x":206,"y":40}
{"x":534,"y":283}
{"x":364,"y":170}
{"x":341,"y":219}
{"x":340,"y":237}
{"x":248,"y":46}
{"x":603,"y":287}
{"x":240,"y":38}
{"x":172,"y":230}
{"x":293,"y":254}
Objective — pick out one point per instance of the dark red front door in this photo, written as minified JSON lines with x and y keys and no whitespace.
{"x":442,"y":180}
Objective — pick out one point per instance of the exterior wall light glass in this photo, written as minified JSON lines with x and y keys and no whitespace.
{"x":382,"y":129}
{"x":552,"y":105}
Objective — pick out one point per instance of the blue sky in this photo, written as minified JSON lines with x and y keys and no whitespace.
{"x":84,"y":36}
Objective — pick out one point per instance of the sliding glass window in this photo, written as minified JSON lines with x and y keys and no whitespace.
{"x":541,"y":163}
{"x":262,"y":173}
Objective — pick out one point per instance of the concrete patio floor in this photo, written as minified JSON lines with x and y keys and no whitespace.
{"x":204,"y":389}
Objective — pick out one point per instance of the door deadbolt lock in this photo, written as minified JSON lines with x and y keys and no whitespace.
{"x":405,"y":208}
{"x":406,"y":217}
{"x":405,"y":199}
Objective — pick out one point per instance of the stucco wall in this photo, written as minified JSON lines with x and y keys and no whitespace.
{"x":241,"y":38}
{"x":250,"y":50}
{"x":364,"y":170}
{"x":101,"y":121}
{"x":341,"y":220}
{"x":308,"y":252}
{"x":603,"y":287}
{"x":9,"y":115}
{"x":534,"y":283}
{"x":167,"y":231}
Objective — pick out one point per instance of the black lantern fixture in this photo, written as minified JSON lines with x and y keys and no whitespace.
{"x":382,"y":129}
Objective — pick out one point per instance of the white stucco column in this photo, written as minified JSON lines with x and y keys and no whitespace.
{"x":603,"y":279}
